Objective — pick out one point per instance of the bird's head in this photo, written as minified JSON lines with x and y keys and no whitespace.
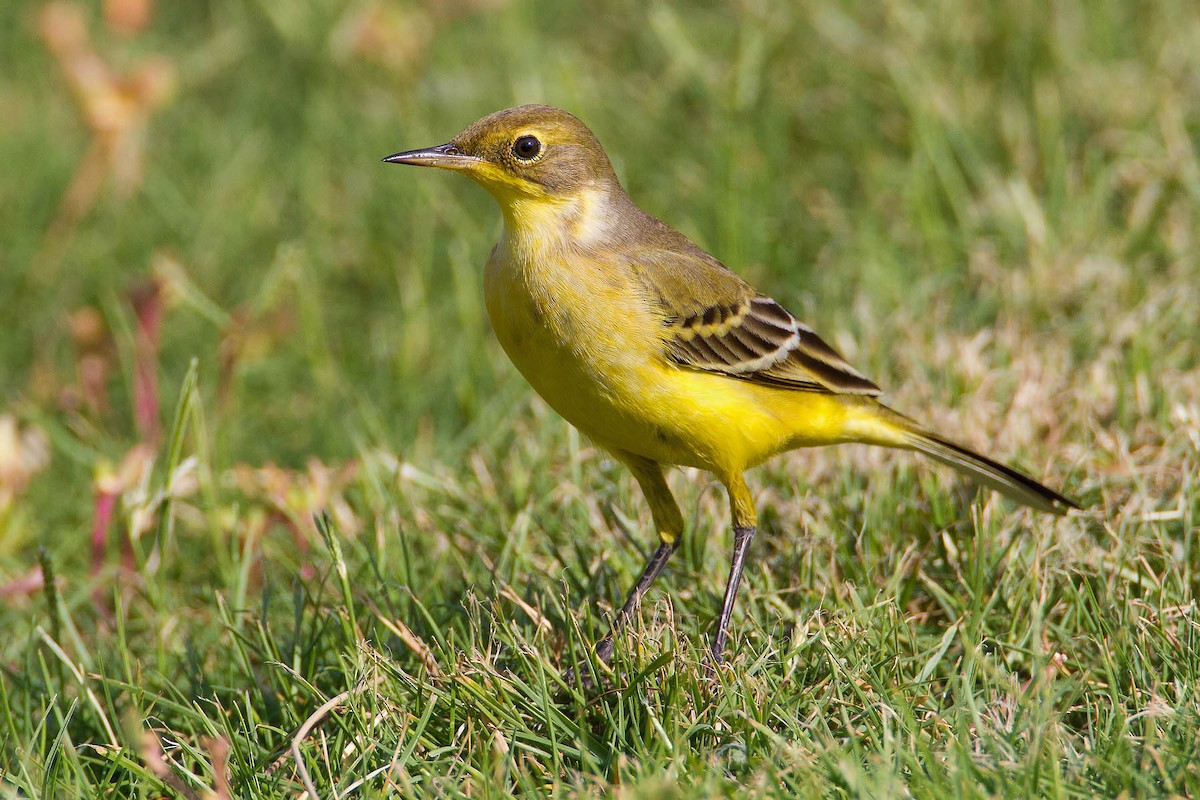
{"x":532,"y":152}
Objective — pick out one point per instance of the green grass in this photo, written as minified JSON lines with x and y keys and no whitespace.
{"x":991,"y":208}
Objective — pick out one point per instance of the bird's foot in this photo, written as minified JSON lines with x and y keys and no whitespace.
{"x":581,"y":674}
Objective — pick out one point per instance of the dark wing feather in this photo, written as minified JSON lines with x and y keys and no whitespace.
{"x":745,"y":335}
{"x":758,"y":340}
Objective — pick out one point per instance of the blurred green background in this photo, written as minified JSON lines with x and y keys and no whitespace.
{"x":836,"y":154}
{"x":990,"y":207}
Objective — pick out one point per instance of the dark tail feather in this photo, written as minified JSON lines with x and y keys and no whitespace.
{"x":1006,"y":480}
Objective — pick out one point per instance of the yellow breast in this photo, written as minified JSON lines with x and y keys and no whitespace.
{"x":590,"y":342}
{"x":555,"y":323}
{"x":613,"y":381}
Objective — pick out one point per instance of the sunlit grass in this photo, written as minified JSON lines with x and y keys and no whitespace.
{"x":258,"y":449}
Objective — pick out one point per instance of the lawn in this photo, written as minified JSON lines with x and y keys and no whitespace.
{"x":278,"y":518}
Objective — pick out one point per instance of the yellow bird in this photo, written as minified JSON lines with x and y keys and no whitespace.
{"x":653,"y":348}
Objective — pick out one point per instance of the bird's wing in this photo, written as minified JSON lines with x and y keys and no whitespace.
{"x":716,"y":322}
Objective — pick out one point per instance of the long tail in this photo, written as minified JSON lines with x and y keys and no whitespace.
{"x":904,"y":432}
{"x":1004,"y":479}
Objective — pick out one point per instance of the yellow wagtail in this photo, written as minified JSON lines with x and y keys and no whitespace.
{"x":652,"y":347}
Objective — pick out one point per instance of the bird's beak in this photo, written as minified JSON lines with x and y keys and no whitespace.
{"x":446,"y":156}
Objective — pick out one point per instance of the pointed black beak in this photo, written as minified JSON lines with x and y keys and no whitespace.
{"x":446,"y":156}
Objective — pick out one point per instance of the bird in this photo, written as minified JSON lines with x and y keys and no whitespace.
{"x":654,"y":349}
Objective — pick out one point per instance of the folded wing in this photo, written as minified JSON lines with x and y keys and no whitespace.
{"x":716,"y":322}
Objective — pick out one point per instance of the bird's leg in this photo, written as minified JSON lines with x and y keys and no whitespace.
{"x":741,"y":543}
{"x":741,"y":505}
{"x":604,"y":647}
{"x":668,"y":520}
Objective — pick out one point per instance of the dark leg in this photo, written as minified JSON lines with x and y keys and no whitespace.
{"x":669,"y":522}
{"x":741,"y":544}
{"x":604,"y":647}
{"x":745,"y":520}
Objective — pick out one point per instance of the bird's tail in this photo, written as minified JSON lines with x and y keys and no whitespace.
{"x":904,"y":432}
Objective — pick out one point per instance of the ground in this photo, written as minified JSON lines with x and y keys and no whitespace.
{"x":277,"y":516}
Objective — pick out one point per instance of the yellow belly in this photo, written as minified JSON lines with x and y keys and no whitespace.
{"x":596,"y":358}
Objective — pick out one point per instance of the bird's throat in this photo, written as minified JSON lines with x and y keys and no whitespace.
{"x":579,"y":220}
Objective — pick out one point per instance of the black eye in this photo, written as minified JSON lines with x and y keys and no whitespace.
{"x":526,"y":148}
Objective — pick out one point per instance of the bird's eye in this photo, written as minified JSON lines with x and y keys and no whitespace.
{"x":526,"y":148}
